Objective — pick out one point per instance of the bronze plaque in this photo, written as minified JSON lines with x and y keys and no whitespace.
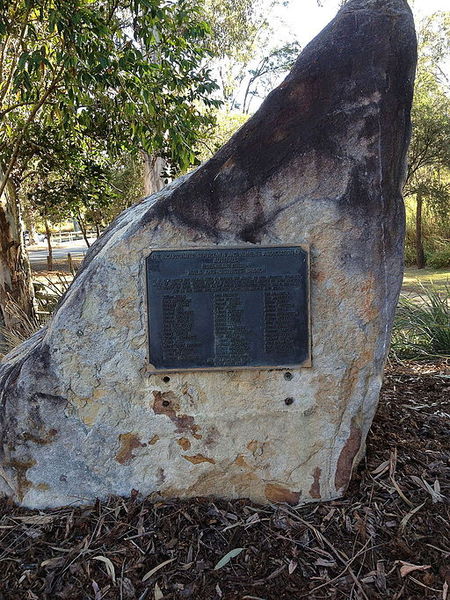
{"x":228,"y":308}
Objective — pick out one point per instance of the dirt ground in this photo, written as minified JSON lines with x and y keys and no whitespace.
{"x":388,"y":538}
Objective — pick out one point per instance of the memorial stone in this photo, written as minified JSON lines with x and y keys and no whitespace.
{"x":227,"y":336}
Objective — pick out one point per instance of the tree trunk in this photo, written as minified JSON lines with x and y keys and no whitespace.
{"x":420,"y":254}
{"x":82,"y":225}
{"x":48,"y":233}
{"x":153,"y":168}
{"x":29,"y":221}
{"x":15,"y":272}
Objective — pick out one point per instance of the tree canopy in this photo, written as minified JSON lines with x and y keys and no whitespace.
{"x":247,"y":56}
{"x":128,"y":72}
{"x":428,"y":173}
{"x":84,"y":83}
{"x":430,"y":146}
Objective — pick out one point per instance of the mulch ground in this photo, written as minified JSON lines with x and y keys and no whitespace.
{"x":388,"y":538}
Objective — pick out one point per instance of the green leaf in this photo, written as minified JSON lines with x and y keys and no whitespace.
{"x":226,"y":559}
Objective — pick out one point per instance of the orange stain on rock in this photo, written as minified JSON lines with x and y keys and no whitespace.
{"x":369,"y":308}
{"x":128,"y":443}
{"x":41,"y":441}
{"x":199,"y":458}
{"x":42,"y":487}
{"x":153,"y":441}
{"x":252,"y":446}
{"x":278,"y":493}
{"x":345,"y":461}
{"x":21,"y":467}
{"x":318,"y":276}
{"x":195,"y":428}
{"x":166,"y":403}
{"x":184,"y":443}
{"x":241,"y":462}
{"x":215,"y":481}
{"x":314,"y":492}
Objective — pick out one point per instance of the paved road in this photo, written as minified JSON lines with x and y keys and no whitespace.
{"x":38,"y":254}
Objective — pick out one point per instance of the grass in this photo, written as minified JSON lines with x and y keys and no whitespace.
{"x":23,"y":327}
{"x":422,"y":323}
{"x":414,"y":278}
{"x":48,"y":292}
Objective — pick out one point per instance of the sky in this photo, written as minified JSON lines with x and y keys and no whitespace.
{"x":304,"y":18}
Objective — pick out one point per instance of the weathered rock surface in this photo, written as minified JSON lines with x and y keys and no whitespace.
{"x":321,"y":163}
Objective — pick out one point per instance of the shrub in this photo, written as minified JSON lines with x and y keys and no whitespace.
{"x":410,"y":255}
{"x":422,"y":324}
{"x":439,"y":259}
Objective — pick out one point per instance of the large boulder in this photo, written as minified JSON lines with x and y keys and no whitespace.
{"x":320,"y":164}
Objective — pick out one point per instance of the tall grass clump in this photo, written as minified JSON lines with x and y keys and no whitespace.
{"x":48,"y":293}
{"x":422,"y":324}
{"x":23,"y":327}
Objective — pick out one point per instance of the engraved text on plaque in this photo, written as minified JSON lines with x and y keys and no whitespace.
{"x":225,"y":308}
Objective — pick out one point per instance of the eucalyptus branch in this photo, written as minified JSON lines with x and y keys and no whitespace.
{"x":21,"y":135}
{"x":4,"y":52}
{"x":8,"y":109}
{"x":14,"y":57}
{"x":22,"y":178}
{"x":113,"y":9}
{"x":253,"y":78}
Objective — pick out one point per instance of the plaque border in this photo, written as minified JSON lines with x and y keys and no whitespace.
{"x":307,"y":363}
